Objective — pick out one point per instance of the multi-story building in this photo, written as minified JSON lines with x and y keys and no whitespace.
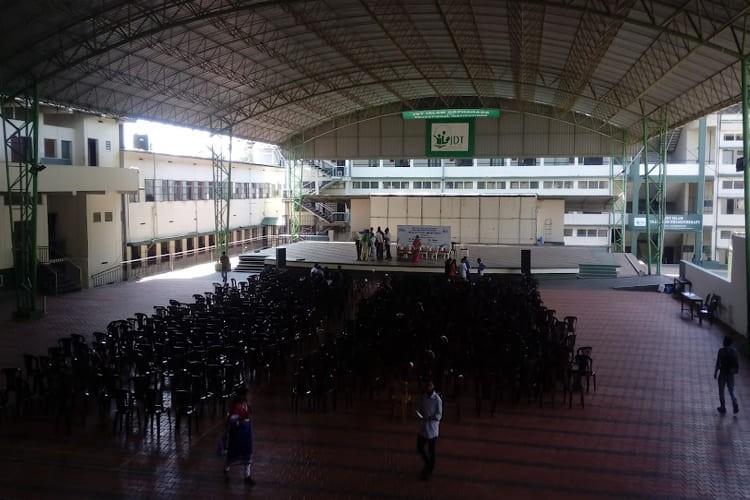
{"x":106,"y":208}
{"x":579,"y":200}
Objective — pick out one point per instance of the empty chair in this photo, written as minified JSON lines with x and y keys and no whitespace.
{"x":570,"y":323}
{"x":182,"y":402}
{"x":153,"y":409}
{"x":709,"y":308}
{"x":585,"y":365}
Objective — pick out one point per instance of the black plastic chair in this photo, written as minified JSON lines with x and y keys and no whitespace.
{"x":709,"y":308}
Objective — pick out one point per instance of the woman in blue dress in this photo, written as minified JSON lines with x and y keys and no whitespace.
{"x":240,"y":435}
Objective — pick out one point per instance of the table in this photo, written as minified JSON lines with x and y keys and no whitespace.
{"x":693,"y":301}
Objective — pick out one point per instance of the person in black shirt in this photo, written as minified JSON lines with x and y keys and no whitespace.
{"x":727,"y":366}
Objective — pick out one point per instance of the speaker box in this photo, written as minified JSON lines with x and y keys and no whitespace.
{"x":526,"y":261}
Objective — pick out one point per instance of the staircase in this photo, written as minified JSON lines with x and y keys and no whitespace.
{"x":54,"y":278}
{"x":587,"y":271}
{"x":325,"y":213}
{"x":253,"y":263}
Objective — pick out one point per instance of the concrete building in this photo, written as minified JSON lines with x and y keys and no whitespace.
{"x":577,"y":200}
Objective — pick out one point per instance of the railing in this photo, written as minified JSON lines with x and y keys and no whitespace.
{"x":62,"y":270}
{"x":151,"y":265}
{"x":107,"y":277}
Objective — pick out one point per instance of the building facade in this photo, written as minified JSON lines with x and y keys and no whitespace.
{"x":579,"y":200}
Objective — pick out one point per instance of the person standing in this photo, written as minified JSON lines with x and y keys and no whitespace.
{"x":727,"y":366}
{"x":365,"y":245}
{"x":225,"y":266}
{"x":357,"y":243}
{"x":387,"y":243}
{"x":480,"y":268}
{"x":416,"y":247}
{"x":379,"y":242}
{"x":240,"y":435}
{"x":430,"y":412}
{"x":467,"y":268}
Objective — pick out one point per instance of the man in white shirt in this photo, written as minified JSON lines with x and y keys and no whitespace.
{"x":430,"y":412}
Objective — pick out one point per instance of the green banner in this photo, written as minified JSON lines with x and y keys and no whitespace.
{"x":450,"y":138}
{"x":432,"y":114}
{"x":672,"y":222}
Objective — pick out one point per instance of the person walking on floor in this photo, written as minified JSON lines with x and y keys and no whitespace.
{"x":240,"y":435}
{"x":430,"y":412}
{"x":225,"y":266}
{"x":727,"y":366}
{"x":379,"y":242}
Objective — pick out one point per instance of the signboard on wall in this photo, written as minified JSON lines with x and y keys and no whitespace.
{"x":431,"y":236}
{"x":431,"y":114}
{"x":450,"y":138}
{"x":672,"y":222}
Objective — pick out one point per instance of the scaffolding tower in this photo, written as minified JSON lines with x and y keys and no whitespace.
{"x":222,"y":194}
{"x":20,"y":117}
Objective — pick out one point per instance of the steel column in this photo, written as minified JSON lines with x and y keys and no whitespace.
{"x":222,"y":174}
{"x":21,"y":142}
{"x":746,"y":176}
{"x":699,"y":194}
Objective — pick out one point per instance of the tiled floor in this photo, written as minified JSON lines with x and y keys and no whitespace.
{"x":650,"y":430}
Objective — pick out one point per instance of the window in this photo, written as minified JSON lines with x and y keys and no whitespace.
{"x":107,"y":216}
{"x":134,"y":197}
{"x":170,"y":190}
{"x":459,"y":184}
{"x":108,"y":145}
{"x":433,"y":162}
{"x":725,"y":235}
{"x":364,"y":184}
{"x":486,"y":184}
{"x":601,"y":233}
{"x":567,"y":232}
{"x":50,"y":148}
{"x":400,"y":163}
{"x":593,"y":184}
{"x":179,"y":193}
{"x":97,"y":217}
{"x":708,"y":206}
{"x":395,"y":184}
{"x":20,"y":148}
{"x":464,"y":162}
{"x":497,"y":162}
{"x":65,"y":147}
{"x":558,"y":161}
{"x":373,"y":163}
{"x":733,"y":137}
{"x":593,"y":160}
{"x":426,"y":184}
{"x":148,"y":184}
{"x":733,"y":184}
{"x":735,"y":206}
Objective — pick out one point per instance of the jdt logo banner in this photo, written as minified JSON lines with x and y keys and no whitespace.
{"x":450,"y":138}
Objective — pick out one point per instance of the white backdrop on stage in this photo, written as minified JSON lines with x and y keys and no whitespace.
{"x":431,"y":236}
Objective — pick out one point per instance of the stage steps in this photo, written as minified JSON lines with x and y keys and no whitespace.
{"x":597,"y":271}
{"x":251,"y":263}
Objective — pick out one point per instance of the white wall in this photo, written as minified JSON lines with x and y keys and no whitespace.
{"x":550,"y":219}
{"x":733,"y":306}
{"x":104,"y":238}
{"x":472,"y":219}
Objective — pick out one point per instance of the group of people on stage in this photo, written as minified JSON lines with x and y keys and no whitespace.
{"x":462,"y":268}
{"x":373,"y":245}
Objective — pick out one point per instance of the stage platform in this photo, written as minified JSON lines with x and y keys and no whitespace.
{"x":499,"y":259}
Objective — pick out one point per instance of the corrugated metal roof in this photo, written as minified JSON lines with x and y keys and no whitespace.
{"x":272,"y":70}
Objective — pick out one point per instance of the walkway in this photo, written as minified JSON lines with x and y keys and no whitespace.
{"x":650,"y":430}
